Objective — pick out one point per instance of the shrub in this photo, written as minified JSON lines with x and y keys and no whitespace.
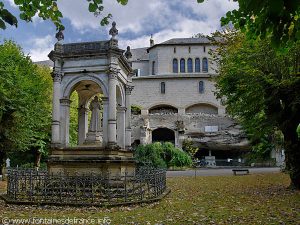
{"x":150,"y":154}
{"x":188,"y":146}
{"x":136,"y":109}
{"x":161,"y":155}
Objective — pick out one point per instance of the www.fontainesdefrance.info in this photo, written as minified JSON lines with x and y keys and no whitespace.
{"x":56,"y":221}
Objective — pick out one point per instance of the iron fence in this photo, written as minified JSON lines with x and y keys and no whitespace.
{"x":40,"y":187}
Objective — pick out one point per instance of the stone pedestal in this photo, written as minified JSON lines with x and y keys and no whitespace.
{"x":91,"y":159}
{"x":94,"y":138}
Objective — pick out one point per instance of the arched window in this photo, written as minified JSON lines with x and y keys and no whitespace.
{"x":163,"y":87}
{"x":201,"y":87}
{"x":190,"y":65}
{"x":182,"y":66}
{"x":175,"y":66}
{"x":197,"y":65}
{"x":204,"y":65}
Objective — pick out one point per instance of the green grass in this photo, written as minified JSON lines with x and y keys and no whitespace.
{"x":251,"y":199}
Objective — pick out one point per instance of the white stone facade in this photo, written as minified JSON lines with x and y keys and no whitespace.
{"x":182,"y":100}
{"x":181,"y":92}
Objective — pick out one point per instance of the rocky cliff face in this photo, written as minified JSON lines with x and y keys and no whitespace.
{"x":208,"y":131}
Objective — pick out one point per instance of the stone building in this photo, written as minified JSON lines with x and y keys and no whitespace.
{"x":174,"y":86}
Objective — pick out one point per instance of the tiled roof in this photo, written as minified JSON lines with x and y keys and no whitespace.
{"x":139,"y":54}
{"x":176,"y":41}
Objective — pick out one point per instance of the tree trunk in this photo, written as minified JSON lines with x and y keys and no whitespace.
{"x":38,"y":156}
{"x":292,"y":155}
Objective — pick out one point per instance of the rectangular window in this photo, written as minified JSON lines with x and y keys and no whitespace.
{"x":162,"y":87}
{"x":204,"y":49}
{"x":153,"y":68}
{"x":201,"y":87}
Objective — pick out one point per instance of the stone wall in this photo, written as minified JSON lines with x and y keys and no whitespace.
{"x":143,"y":66}
{"x":181,"y":92}
{"x":229,"y":135}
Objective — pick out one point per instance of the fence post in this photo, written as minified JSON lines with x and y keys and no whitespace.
{"x":125,"y":187}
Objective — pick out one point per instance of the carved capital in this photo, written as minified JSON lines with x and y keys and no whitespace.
{"x":57,"y":76}
{"x":129,"y":89}
{"x":113,"y":73}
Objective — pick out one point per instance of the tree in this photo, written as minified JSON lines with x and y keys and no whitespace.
{"x":25,"y":103}
{"x":47,"y":10}
{"x":278,"y":19}
{"x":260,"y":87}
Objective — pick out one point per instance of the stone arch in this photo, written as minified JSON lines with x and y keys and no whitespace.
{"x":163,"y":134}
{"x":163,"y":108}
{"x":94,"y":85}
{"x":69,"y":87}
{"x":160,"y":103}
{"x":202,"y":107}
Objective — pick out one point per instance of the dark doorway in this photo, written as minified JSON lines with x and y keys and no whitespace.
{"x":163,"y":135}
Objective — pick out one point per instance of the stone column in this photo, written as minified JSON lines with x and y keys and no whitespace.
{"x":65,"y":120}
{"x":82,"y":124}
{"x":121,"y":127}
{"x":129,"y":89}
{"x":105,"y":120}
{"x":56,"y":75}
{"x":112,"y":112}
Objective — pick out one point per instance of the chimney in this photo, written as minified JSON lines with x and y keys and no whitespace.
{"x":151,"y":41}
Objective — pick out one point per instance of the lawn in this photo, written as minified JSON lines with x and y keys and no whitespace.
{"x":251,"y":199}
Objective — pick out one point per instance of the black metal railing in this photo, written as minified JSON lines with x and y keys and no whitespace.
{"x":38,"y":187}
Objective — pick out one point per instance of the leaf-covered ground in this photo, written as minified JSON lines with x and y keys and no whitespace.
{"x":251,"y":199}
